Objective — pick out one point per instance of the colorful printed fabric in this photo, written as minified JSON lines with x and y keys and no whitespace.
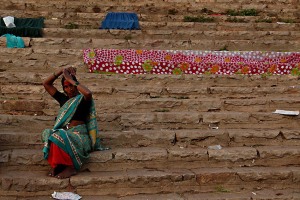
{"x":78,"y":141}
{"x":130,"y":61}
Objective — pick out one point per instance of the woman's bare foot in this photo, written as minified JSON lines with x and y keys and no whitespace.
{"x":51,"y":172}
{"x":58,"y":169}
{"x":68,"y":172}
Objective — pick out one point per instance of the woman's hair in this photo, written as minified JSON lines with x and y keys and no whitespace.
{"x":63,"y":80}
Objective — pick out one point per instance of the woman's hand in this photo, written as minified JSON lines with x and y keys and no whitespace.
{"x":68,"y":72}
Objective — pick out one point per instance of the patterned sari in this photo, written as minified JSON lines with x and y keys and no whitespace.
{"x":77,"y":141}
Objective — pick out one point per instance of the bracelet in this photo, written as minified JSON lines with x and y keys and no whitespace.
{"x":55,"y":75}
{"x":76,"y":83}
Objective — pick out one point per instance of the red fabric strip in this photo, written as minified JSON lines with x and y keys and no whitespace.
{"x":58,"y":157}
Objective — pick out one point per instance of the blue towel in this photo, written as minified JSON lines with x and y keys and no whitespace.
{"x":13,"y":41}
{"x":120,"y":20}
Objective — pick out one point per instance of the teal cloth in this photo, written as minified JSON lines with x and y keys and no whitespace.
{"x":25,"y":27}
{"x":13,"y":41}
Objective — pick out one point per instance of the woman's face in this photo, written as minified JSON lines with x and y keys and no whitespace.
{"x":70,"y":89}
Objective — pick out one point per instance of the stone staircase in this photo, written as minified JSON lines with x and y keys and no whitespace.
{"x":162,"y":129}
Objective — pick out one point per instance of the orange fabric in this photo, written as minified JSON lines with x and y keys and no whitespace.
{"x":58,"y":157}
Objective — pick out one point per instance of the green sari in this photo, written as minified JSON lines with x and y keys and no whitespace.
{"x":77,"y":141}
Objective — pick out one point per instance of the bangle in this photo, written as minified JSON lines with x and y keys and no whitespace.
{"x":55,"y":75}
{"x":76,"y":83}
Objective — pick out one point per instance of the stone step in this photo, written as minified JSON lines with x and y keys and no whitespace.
{"x":140,"y":87}
{"x":220,"y":193}
{"x":154,"y":21}
{"x":147,"y":81}
{"x":167,"y":120}
{"x":165,"y":22}
{"x":13,"y":137}
{"x":148,"y":181}
{"x":115,"y":104}
{"x":71,"y":48}
{"x":35,"y":77}
{"x":158,"y":157}
{"x":156,"y":34}
{"x":156,"y":7}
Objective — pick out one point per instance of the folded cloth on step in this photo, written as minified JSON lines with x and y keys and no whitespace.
{"x":25,"y":27}
{"x":120,"y":20}
{"x":13,"y":41}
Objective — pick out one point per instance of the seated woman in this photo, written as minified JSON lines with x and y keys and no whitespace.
{"x":74,"y":135}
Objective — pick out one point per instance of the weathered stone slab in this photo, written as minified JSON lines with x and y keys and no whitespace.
{"x":23,"y":105}
{"x":27,"y":157}
{"x":101,"y":156}
{"x":187,"y":154}
{"x":140,"y":154}
{"x":279,"y":151}
{"x":138,"y":138}
{"x":269,"y":174}
{"x":4,"y":156}
{"x":228,"y":117}
{"x":233,"y":154}
{"x":31,"y":181}
{"x":215,"y":176}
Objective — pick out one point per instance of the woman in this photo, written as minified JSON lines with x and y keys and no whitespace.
{"x":75,"y":133}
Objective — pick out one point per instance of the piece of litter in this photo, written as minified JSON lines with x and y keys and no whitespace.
{"x":66,"y":196}
{"x":281,"y":23}
{"x":215,"y":147}
{"x":181,"y":147}
{"x":213,"y":126}
{"x":254,"y":193}
{"x":286,"y":112}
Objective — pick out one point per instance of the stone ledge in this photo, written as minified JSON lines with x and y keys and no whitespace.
{"x":193,"y":138}
{"x":230,"y":156}
{"x":235,"y":179}
{"x":215,"y":195}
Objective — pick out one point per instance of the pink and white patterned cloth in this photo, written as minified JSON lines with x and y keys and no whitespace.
{"x":130,"y":61}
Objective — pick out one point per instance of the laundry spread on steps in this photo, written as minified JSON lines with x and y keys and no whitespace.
{"x":13,"y":41}
{"x":130,"y":61}
{"x":120,"y":20}
{"x":22,"y":27}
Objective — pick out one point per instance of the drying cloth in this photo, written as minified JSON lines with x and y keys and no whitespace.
{"x":25,"y":27}
{"x":130,"y":61}
{"x":13,"y":41}
{"x":120,"y":20}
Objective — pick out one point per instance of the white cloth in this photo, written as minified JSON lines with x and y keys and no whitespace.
{"x":9,"y":21}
